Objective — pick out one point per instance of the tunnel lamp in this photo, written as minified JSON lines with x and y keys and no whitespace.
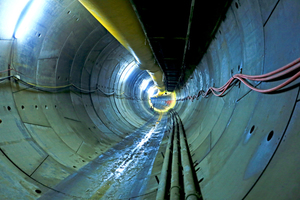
{"x":30,"y":12}
{"x":171,"y":102}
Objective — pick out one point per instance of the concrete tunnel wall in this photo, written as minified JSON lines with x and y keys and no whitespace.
{"x":244,"y":145}
{"x":47,"y":133}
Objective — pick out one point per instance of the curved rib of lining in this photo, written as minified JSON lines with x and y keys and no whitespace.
{"x":238,"y":143}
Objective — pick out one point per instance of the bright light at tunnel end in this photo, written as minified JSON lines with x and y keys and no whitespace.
{"x":172,"y":101}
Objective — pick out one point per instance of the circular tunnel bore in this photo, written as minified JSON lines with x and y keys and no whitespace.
{"x":161,"y":102}
{"x":80,"y":96}
{"x":88,"y":86}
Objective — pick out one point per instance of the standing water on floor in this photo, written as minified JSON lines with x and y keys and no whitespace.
{"x":122,"y":172}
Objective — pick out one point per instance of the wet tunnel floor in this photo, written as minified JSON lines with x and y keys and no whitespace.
{"x":119,"y":173}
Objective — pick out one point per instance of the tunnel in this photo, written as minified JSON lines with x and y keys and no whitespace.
{"x":80,"y":119}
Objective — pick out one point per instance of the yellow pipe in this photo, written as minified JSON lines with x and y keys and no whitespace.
{"x":119,"y":18}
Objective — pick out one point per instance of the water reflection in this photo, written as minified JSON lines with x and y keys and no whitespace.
{"x":119,"y":173}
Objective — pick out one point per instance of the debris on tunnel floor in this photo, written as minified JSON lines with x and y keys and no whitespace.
{"x":119,"y":173}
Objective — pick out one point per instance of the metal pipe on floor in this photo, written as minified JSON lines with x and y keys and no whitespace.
{"x":175,"y":179}
{"x":162,"y":187}
{"x":190,"y":190}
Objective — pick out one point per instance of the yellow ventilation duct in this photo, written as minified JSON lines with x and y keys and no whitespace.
{"x":119,"y":18}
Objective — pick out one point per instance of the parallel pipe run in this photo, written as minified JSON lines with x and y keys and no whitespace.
{"x":181,"y":184}
{"x":190,"y":190}
{"x":162,"y":187}
{"x":119,"y":18}
{"x":175,"y":179}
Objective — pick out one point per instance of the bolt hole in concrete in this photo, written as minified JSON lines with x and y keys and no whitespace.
{"x":270,"y":135}
{"x":157,"y":180}
{"x":236,"y":5}
{"x":252,"y":129}
{"x":69,"y":12}
{"x":0,"y":121}
{"x":8,"y":108}
{"x":36,"y":107}
{"x":46,"y":107}
{"x":38,"y":191}
{"x":74,"y":166}
{"x":22,"y":107}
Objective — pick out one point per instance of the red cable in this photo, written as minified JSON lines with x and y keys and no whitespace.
{"x":254,"y":78}
{"x":264,"y":77}
{"x":293,"y":78}
{"x":278,"y":70}
{"x":6,"y":70}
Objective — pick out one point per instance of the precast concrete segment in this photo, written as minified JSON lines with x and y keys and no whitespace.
{"x":245,"y":143}
{"x":129,"y":160}
{"x":50,"y":135}
{"x":228,"y":137}
{"x":287,"y":152}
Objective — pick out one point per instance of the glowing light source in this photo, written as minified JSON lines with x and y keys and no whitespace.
{"x":145,"y":83}
{"x":30,"y":12}
{"x":152,"y":91}
{"x":10,"y":11}
{"x":171,"y":103}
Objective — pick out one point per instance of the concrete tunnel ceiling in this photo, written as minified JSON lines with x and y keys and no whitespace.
{"x":75,"y":125}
